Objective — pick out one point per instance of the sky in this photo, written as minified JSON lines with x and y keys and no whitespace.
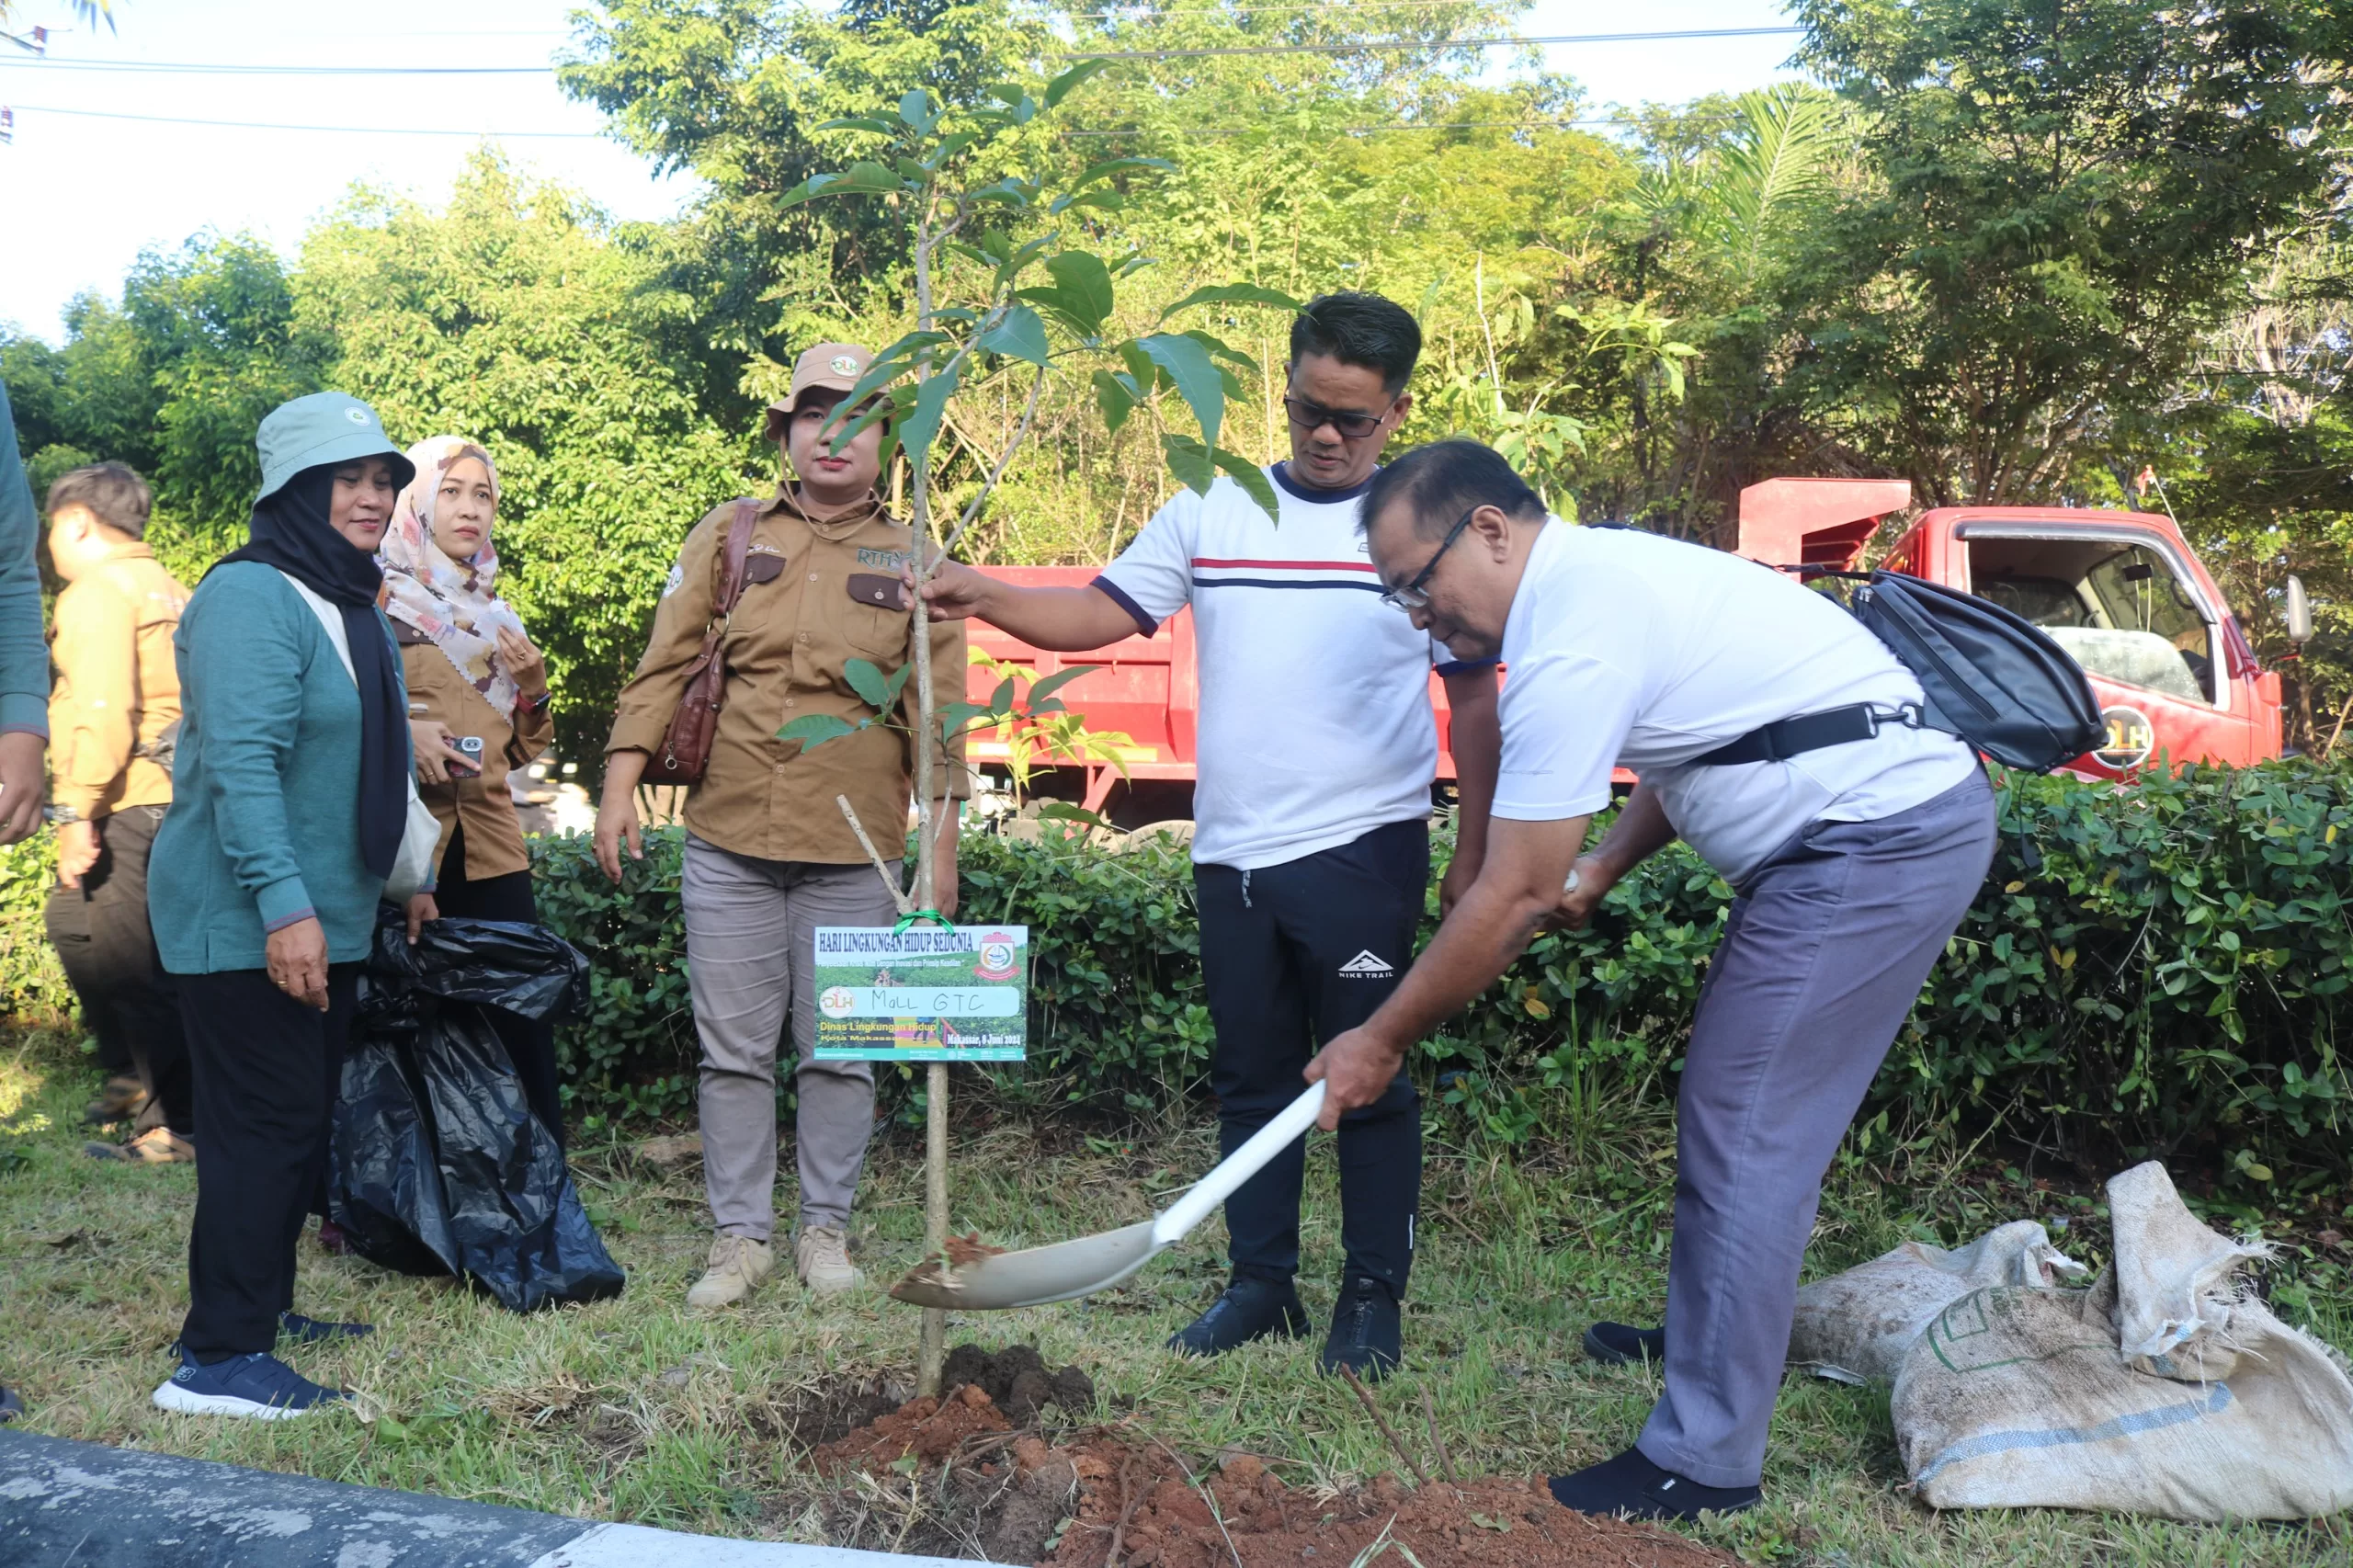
{"x":83,"y":189}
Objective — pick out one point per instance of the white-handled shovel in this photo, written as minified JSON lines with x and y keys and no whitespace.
{"x":1035,"y":1276}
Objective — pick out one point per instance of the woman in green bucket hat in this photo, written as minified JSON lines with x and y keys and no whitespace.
{"x":293,"y":785}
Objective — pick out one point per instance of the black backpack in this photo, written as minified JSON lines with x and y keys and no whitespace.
{"x":1990,"y":677}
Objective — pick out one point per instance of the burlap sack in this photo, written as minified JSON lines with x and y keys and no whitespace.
{"x":2032,"y":1398}
{"x":1858,"y":1326}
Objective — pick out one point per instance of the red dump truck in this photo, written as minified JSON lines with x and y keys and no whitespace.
{"x":2121,"y":591}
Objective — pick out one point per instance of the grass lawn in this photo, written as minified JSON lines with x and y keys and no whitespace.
{"x":635,"y":1410}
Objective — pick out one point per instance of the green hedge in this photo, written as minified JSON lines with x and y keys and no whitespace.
{"x":32,"y":982}
{"x":2154,"y":970}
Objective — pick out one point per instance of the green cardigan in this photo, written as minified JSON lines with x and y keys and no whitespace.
{"x":264,"y":828}
{"x":24,"y":657}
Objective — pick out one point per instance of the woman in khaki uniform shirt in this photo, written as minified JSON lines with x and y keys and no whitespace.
{"x":768,"y":856}
{"x":471,"y":674}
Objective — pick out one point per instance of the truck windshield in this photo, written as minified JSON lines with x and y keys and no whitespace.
{"x":2117,"y":607}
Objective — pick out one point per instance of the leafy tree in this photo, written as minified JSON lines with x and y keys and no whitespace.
{"x":509,"y":317}
{"x":2066,"y":193}
{"x":1006,"y":288}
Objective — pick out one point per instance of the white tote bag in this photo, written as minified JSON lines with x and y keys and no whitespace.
{"x":413,"y":867}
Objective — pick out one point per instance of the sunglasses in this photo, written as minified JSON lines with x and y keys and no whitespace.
{"x":1411,"y":596}
{"x":1309,"y":415}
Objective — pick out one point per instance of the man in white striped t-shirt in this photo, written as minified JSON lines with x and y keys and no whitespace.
{"x":1314,"y":763}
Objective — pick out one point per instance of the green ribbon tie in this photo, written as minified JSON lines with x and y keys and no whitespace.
{"x":931,"y":914}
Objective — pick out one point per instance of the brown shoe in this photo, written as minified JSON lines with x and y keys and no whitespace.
{"x":159,"y":1147}
{"x":820,"y":1256}
{"x":736,"y":1267}
{"x":119,"y":1098}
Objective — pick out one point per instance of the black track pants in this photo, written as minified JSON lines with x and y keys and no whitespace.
{"x":1294,"y":954}
{"x":267,"y":1069}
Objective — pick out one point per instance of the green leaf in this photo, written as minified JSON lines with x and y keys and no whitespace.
{"x":1115,"y":396}
{"x":813,"y":730}
{"x":1001,"y":699}
{"x":1086,"y":286}
{"x":1252,"y":480}
{"x":866,"y":679}
{"x":948,"y":147}
{"x":1189,"y":366}
{"x":1061,"y":86}
{"x":1040,"y":690}
{"x":915,"y":107}
{"x":1019,"y":261}
{"x":868,"y":177}
{"x":1009,"y":190}
{"x":911,"y":171}
{"x":844,"y":431}
{"x":859,"y":122}
{"x":921,"y":425}
{"x":1191,"y":462}
{"x":1233,"y":294}
{"x":898,"y":683}
{"x":1107,"y":200}
{"x":1020,"y":334}
{"x":954,"y":716}
{"x":1221,"y":350}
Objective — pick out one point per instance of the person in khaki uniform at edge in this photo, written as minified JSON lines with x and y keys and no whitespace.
{"x":117,"y":692}
{"x":768,"y":856}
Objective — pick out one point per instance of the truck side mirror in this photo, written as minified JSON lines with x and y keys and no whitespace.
{"x":2298,"y":612}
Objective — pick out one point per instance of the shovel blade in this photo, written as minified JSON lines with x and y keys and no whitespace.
{"x":1034,"y":1276}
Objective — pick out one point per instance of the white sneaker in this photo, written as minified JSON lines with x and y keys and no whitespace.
{"x":736,"y":1264}
{"x":820,"y":1256}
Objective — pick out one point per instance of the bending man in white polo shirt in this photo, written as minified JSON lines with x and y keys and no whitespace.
{"x":1736,"y":696}
{"x":1311,"y":847}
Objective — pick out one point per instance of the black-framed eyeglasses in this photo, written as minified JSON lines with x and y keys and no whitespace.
{"x":1309,"y":415}
{"x":1410,"y":597}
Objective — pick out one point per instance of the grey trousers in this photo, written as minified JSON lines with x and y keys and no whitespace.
{"x":751,"y":929}
{"x":1823,"y":954}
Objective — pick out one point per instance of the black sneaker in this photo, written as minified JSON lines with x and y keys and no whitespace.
{"x":1631,"y":1485}
{"x":317,"y":1331}
{"x":1249,"y":1309}
{"x":1367,"y":1331}
{"x":10,"y":1405}
{"x":1614,"y":1344}
{"x":255,"y":1386}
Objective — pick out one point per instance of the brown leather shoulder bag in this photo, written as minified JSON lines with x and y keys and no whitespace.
{"x":685,"y":747}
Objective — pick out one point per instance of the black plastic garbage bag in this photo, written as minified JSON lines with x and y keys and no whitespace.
{"x":438,"y":1165}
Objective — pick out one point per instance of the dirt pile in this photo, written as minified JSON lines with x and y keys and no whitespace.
{"x":1113,"y":1496}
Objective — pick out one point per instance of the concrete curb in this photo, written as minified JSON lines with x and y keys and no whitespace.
{"x":66,"y":1504}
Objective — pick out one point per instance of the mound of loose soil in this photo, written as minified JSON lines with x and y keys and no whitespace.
{"x":1131,"y":1503}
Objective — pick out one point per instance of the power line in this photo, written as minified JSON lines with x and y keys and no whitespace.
{"x":1401,"y":125}
{"x":1381,"y":47}
{"x":329,"y":129}
{"x":222,"y":68}
{"x":1138,"y":131}
{"x":225,"y":68}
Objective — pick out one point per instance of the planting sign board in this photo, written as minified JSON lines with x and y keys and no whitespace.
{"x":927,"y":994}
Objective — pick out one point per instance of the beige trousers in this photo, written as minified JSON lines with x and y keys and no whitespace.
{"x":751,"y":934}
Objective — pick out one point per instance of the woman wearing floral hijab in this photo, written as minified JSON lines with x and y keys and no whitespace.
{"x":472,"y":677}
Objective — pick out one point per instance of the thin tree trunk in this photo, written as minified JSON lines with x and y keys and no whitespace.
{"x":931,"y":1342}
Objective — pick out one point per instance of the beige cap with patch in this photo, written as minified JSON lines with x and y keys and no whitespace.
{"x":833,"y":366}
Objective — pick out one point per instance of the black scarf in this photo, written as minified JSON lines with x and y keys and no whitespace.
{"x":290,"y":531}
